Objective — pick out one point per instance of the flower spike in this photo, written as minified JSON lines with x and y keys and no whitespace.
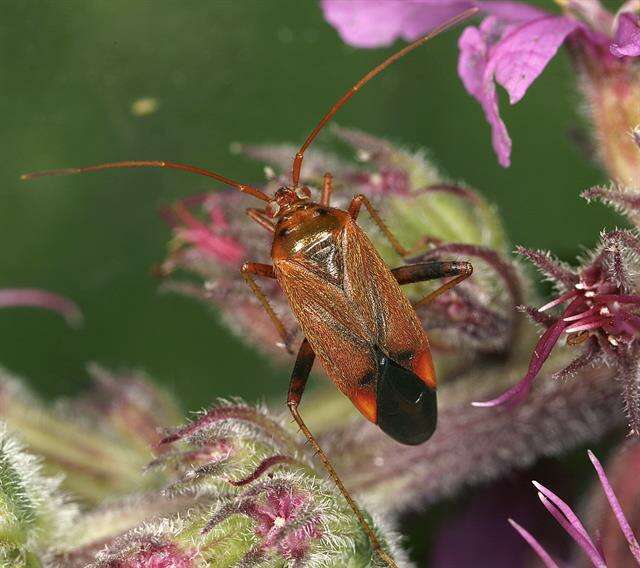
{"x":634,"y":547}
{"x":570,"y":522}
{"x":534,"y":544}
{"x":602,"y":312}
{"x":35,"y":298}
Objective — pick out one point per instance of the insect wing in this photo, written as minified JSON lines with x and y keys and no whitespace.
{"x":337,"y":334}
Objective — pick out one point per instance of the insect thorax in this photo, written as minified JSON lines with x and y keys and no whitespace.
{"x":312,"y":235}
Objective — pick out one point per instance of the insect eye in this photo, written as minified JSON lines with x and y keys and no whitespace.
{"x":303,"y":192}
{"x":273,"y":208}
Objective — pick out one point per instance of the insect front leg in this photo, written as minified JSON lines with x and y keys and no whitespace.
{"x":327,"y":190}
{"x":260,"y":217}
{"x":299,"y":377}
{"x":248,"y":270}
{"x":424,"y":271}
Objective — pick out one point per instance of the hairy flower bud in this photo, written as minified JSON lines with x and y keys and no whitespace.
{"x":236,"y":487}
{"x":242,"y":491}
{"x":34,"y":516}
{"x":100,"y":442}
{"x":611,"y":88}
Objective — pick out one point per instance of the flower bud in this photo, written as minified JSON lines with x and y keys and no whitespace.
{"x":34,"y":515}
{"x":101,"y":442}
{"x":611,"y":89}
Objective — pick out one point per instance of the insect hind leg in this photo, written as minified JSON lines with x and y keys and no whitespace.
{"x":424,"y":271}
{"x":299,"y":377}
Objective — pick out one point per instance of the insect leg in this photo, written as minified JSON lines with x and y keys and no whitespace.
{"x":354,"y":211}
{"x":299,"y":377}
{"x":430,"y":271}
{"x":260,"y":217}
{"x":249,"y":269}
{"x":327,"y":189}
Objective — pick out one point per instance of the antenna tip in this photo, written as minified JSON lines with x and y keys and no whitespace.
{"x":63,"y":172}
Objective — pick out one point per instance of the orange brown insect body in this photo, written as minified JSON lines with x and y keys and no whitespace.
{"x":355,"y":318}
{"x":349,"y":304}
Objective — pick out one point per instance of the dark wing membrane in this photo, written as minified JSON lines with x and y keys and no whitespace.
{"x":369,"y":285}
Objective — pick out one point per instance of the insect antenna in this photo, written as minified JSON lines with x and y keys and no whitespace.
{"x":152,"y":164}
{"x":297,"y":161}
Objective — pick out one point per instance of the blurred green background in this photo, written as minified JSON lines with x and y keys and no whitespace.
{"x":222,"y":71}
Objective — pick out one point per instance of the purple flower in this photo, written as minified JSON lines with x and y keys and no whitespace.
{"x":287,"y":519}
{"x":626,"y":41}
{"x":281,"y":508}
{"x":512,"y":55}
{"x":570,"y":522}
{"x":600,"y":311}
{"x":511,"y":47}
{"x":149,"y":552}
{"x":285,"y":523}
{"x":366,"y":23}
{"x":154,"y":554}
{"x":34,"y":298}
{"x":601,"y":307}
{"x":208,"y":239}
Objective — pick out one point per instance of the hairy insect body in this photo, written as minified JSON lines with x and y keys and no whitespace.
{"x":343,"y":294}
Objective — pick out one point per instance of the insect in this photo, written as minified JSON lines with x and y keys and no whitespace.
{"x":348,"y":303}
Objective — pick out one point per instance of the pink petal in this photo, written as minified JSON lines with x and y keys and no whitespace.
{"x":512,"y":55}
{"x":378,"y":23}
{"x":564,"y":508}
{"x":473,"y":56}
{"x":585,"y":543}
{"x":474,"y":45}
{"x":522,"y":54}
{"x":615,"y":507}
{"x":535,"y":545}
{"x":626,"y":41}
{"x":34,"y":298}
{"x":512,"y":12}
{"x":542,"y":351}
{"x":559,"y":300}
{"x":224,"y":249}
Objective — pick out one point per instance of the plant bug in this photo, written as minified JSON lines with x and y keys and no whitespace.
{"x":349,"y":304}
